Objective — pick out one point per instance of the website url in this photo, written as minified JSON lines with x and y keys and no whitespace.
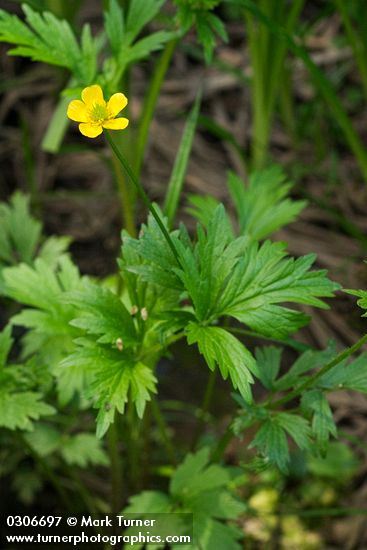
{"x":113,"y":540}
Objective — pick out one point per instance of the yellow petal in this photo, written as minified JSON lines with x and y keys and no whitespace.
{"x":116,"y":123}
{"x":116,"y":103}
{"x":92,"y":95}
{"x":77,"y":111}
{"x":90,"y":130}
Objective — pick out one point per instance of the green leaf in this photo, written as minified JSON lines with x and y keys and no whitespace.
{"x":50,"y":335}
{"x":195,"y":475}
{"x":202,"y":208}
{"x":6,"y":342}
{"x":215,"y":535}
{"x":41,"y":286}
{"x":181,"y":162}
{"x":268,"y":364}
{"x":150,"y":502}
{"x":263,"y":206}
{"x":20,"y":232}
{"x":221,"y":348}
{"x":53,"y":248}
{"x":83,"y":450}
{"x":140,"y":13}
{"x":352,"y":376}
{"x":323,"y":425}
{"x":18,"y":410}
{"x":114,"y":26}
{"x":228,"y":276}
{"x":45,"y":38}
{"x":362,"y":295}
{"x":44,"y":439}
{"x":272,"y":442}
{"x":201,"y":489}
{"x":310,"y":359}
{"x":102,"y":313}
{"x":113,"y":377}
{"x":339,"y":463}
{"x":263,"y":278}
{"x":297,"y":427}
{"x":145,"y":46}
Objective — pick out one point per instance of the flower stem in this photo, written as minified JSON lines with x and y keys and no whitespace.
{"x":127,"y":208}
{"x":142,"y":194}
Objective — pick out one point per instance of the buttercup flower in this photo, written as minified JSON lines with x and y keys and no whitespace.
{"x":94,"y":113}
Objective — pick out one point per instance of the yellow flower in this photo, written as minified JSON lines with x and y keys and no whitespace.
{"x":94,"y":113}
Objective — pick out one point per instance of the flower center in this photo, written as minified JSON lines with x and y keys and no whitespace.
{"x":98,"y":113}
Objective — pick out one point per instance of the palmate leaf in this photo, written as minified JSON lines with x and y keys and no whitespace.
{"x":228,"y":276}
{"x":82,"y":450}
{"x":262,"y":206}
{"x":18,"y":410}
{"x":264,"y":277}
{"x":268,"y":365}
{"x":195,"y":475}
{"x":101,"y":313}
{"x":221,"y":348}
{"x":21,"y":237}
{"x":41,"y":287}
{"x":122,"y":32}
{"x":309,"y":360}
{"x":44,"y":37}
{"x":271,"y":438}
{"x":201,"y":489}
{"x":20,"y":232}
{"x":323,"y":425}
{"x":140,"y":13}
{"x":350,"y":376}
{"x":113,"y":377}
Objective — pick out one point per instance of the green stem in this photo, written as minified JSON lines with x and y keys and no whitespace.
{"x":355,"y":41}
{"x":207,"y":399}
{"x":228,"y":434}
{"x":133,"y":450}
{"x":323,"y":84}
{"x":127,"y":206}
{"x":150,"y":102}
{"x":116,"y":468}
{"x":163,"y":430}
{"x":222,"y":444}
{"x":142,"y":194}
{"x":311,"y":381}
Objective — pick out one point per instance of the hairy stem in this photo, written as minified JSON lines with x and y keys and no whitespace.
{"x":142,"y":194}
{"x":311,"y":381}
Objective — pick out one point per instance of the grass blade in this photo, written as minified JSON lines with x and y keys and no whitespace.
{"x":323,"y":85}
{"x":182,"y":158}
